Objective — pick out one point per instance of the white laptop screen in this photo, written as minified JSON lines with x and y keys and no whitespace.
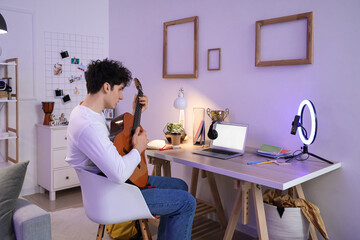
{"x":230,"y":136}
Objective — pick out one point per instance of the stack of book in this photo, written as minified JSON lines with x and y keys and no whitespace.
{"x":273,"y":151}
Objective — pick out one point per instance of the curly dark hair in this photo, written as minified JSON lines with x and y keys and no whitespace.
{"x":99,"y":72}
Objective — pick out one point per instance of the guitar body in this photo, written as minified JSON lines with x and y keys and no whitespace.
{"x":123,"y":126}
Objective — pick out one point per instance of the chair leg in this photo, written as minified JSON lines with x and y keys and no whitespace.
{"x":100,"y":233}
{"x":145,"y":231}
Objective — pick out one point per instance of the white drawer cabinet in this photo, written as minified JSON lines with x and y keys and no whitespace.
{"x":53,"y":172}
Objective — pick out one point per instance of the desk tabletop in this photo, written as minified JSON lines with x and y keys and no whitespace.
{"x":271,"y":175}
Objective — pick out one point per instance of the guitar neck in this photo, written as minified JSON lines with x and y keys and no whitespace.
{"x":137,"y":114}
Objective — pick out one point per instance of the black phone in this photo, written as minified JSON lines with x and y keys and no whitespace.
{"x":295,"y":124}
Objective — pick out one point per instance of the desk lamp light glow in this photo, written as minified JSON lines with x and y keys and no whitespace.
{"x":297,"y":124}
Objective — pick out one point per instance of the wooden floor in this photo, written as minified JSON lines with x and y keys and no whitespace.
{"x":71,"y":198}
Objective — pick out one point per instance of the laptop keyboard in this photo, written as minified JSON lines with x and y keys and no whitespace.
{"x":229,"y":153}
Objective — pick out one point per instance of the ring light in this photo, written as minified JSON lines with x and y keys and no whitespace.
{"x":301,"y":109}
{"x":297,"y":124}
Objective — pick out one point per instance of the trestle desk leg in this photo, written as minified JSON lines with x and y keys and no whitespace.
{"x":259,"y":212}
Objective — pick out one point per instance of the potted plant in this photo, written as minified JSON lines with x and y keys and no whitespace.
{"x":174,"y":128}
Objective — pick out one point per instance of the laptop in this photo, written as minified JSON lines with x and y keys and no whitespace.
{"x":229,"y":143}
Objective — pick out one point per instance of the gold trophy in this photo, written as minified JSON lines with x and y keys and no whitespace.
{"x":217,"y":115}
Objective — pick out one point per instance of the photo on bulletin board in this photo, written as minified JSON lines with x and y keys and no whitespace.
{"x":109,"y":114}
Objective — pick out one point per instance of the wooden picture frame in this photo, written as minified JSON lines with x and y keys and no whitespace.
{"x":211,"y":60}
{"x":309,"y":40}
{"x":193,"y":72}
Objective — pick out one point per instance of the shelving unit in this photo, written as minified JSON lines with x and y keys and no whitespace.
{"x":11,"y":127}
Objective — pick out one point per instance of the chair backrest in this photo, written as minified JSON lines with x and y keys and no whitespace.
{"x":106,"y":202}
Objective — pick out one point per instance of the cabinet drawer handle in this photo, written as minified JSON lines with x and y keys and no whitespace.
{"x":67,"y":178}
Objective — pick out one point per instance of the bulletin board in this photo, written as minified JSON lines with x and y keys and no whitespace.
{"x":66,"y":58}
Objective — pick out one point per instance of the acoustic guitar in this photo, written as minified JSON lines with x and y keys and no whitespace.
{"x":122,"y":128}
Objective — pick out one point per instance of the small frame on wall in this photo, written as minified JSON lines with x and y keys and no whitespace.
{"x":180,"y":48}
{"x":308,"y":56}
{"x":214,"y":59}
{"x":109,"y":113}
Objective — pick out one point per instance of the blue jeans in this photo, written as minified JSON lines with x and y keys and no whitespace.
{"x":175,"y":205}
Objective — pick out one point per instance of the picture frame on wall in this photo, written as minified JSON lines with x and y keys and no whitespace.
{"x":303,"y":37}
{"x":214,"y":59}
{"x":180,"y":48}
{"x":109,"y":114}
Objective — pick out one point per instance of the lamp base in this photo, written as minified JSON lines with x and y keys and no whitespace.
{"x":306,"y":151}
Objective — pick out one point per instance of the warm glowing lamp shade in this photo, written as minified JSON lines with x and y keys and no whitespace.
{"x":181,"y":103}
{"x":3,"y":27}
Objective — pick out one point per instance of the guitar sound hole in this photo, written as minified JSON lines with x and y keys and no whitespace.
{"x":139,"y":166}
{"x":125,"y":151}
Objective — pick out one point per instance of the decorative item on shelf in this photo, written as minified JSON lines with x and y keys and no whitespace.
{"x":4,"y":94}
{"x":48,"y":108}
{"x":181,"y":103}
{"x":5,"y":89}
{"x":217,"y":115}
{"x":174,"y":128}
{"x":56,"y":122}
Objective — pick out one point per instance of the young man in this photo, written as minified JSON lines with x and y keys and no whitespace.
{"x":89,"y":148}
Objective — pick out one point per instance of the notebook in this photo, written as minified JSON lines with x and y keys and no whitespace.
{"x":229,"y":143}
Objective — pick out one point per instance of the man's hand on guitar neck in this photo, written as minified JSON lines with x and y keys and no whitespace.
{"x":140,"y":140}
{"x":143,"y":101}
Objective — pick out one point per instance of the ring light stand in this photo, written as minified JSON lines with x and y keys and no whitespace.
{"x":297,"y":124}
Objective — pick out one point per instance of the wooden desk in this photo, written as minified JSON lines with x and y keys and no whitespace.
{"x":250,"y":177}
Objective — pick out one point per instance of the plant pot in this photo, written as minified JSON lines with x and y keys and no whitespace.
{"x":168,"y":137}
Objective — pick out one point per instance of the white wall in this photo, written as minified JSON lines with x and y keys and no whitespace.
{"x":27,"y":21}
{"x":266,"y":98}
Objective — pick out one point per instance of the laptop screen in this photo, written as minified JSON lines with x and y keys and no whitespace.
{"x":230,"y":136}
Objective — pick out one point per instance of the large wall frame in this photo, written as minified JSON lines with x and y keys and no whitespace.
{"x":309,"y":40}
{"x":195,"y":70}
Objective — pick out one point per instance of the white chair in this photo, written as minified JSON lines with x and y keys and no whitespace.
{"x":106,"y":202}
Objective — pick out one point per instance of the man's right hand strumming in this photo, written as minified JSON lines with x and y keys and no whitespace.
{"x":139,"y":140}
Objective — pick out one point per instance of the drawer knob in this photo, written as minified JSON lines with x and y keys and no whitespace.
{"x":65,"y":138}
{"x":67,"y":178}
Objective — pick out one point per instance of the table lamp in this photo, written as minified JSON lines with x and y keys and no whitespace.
{"x":181,"y":103}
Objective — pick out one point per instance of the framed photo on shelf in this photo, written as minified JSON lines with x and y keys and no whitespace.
{"x":109,"y":114}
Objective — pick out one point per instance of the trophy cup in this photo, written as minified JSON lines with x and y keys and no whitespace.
{"x":217,"y":115}
{"x":48,"y":108}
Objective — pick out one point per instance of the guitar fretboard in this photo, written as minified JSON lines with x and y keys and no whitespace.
{"x":137,"y":114}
